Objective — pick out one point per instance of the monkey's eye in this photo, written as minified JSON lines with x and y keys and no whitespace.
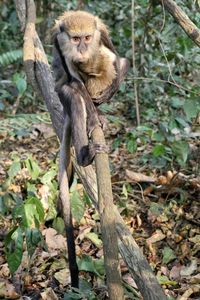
{"x":88,"y":38}
{"x":75,"y":39}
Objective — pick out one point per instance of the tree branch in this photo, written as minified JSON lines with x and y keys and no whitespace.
{"x":183,"y":20}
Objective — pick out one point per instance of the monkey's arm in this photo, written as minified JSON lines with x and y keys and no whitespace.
{"x":83,"y":118}
{"x":121,"y":67}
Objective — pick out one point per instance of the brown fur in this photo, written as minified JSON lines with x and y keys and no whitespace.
{"x":98,"y":72}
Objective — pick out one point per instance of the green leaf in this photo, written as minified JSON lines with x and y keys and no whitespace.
{"x":168,"y":255}
{"x":32,"y":167}
{"x":122,"y":87}
{"x":14,"y":248}
{"x":86,"y":264}
{"x":48,"y":177}
{"x":156,"y":208}
{"x":21,"y":85}
{"x":181,"y":121}
{"x":31,"y":189}
{"x":34,"y":212}
{"x":18,"y":212}
{"x":181,"y":151}
{"x":164,"y":280}
{"x":73,"y":296}
{"x":176,"y":102}
{"x":159,"y":150}
{"x":132,"y":145}
{"x":14,"y":169}
{"x":33,"y":238}
{"x":99,"y":266}
{"x":117,"y":142}
{"x":190,"y":109}
{"x":59,"y":225}
{"x":93,"y":237}
{"x":77,"y":205}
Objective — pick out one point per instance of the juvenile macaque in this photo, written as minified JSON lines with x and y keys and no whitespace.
{"x":88,"y":72}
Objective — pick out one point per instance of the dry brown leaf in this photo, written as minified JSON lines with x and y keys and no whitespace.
{"x":138,"y":177}
{"x":54,"y":240}
{"x":175,"y":272}
{"x":49,"y":295}
{"x":195,"y":279}
{"x":148,"y":190}
{"x":7,"y":290}
{"x":4,"y":270}
{"x":139,"y":221}
{"x":157,"y":236}
{"x":188,"y":270}
{"x":189,"y":292}
{"x":63,"y":277}
{"x":44,"y":193}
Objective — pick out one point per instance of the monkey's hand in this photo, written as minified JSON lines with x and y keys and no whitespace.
{"x":87,"y":153}
{"x":97,"y":148}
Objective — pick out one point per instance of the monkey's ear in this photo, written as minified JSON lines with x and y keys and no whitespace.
{"x":62,"y":27}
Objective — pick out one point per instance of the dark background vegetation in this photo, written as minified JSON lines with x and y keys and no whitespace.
{"x":165,"y":147}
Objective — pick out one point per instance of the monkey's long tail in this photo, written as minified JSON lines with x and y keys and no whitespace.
{"x":66,"y":210}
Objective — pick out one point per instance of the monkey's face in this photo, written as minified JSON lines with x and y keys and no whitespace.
{"x":79,"y":46}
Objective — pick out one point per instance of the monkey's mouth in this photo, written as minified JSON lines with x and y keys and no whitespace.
{"x":81,"y":58}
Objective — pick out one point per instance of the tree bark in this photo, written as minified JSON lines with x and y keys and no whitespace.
{"x":42,"y":79}
{"x":182,"y":19}
{"x":107,"y":218}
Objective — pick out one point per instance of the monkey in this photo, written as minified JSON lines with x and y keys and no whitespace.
{"x":88,"y":72}
{"x":89,"y":54}
{"x":85,"y":57}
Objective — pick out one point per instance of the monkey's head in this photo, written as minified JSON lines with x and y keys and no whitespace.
{"x":78,"y":35}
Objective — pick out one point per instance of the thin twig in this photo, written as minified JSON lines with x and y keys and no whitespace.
{"x":134,"y":65}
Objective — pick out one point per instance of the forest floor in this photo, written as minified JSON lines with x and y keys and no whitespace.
{"x":161,"y":209}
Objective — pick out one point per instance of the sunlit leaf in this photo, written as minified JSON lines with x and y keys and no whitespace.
{"x":93,"y":237}
{"x":164,"y":280}
{"x":34,"y":210}
{"x":32,"y":167}
{"x":48,"y":176}
{"x":77,"y":205}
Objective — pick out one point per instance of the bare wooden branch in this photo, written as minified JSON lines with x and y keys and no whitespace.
{"x":107,"y":218}
{"x":21,"y":13}
{"x":183,"y":20}
{"x":137,"y":264}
